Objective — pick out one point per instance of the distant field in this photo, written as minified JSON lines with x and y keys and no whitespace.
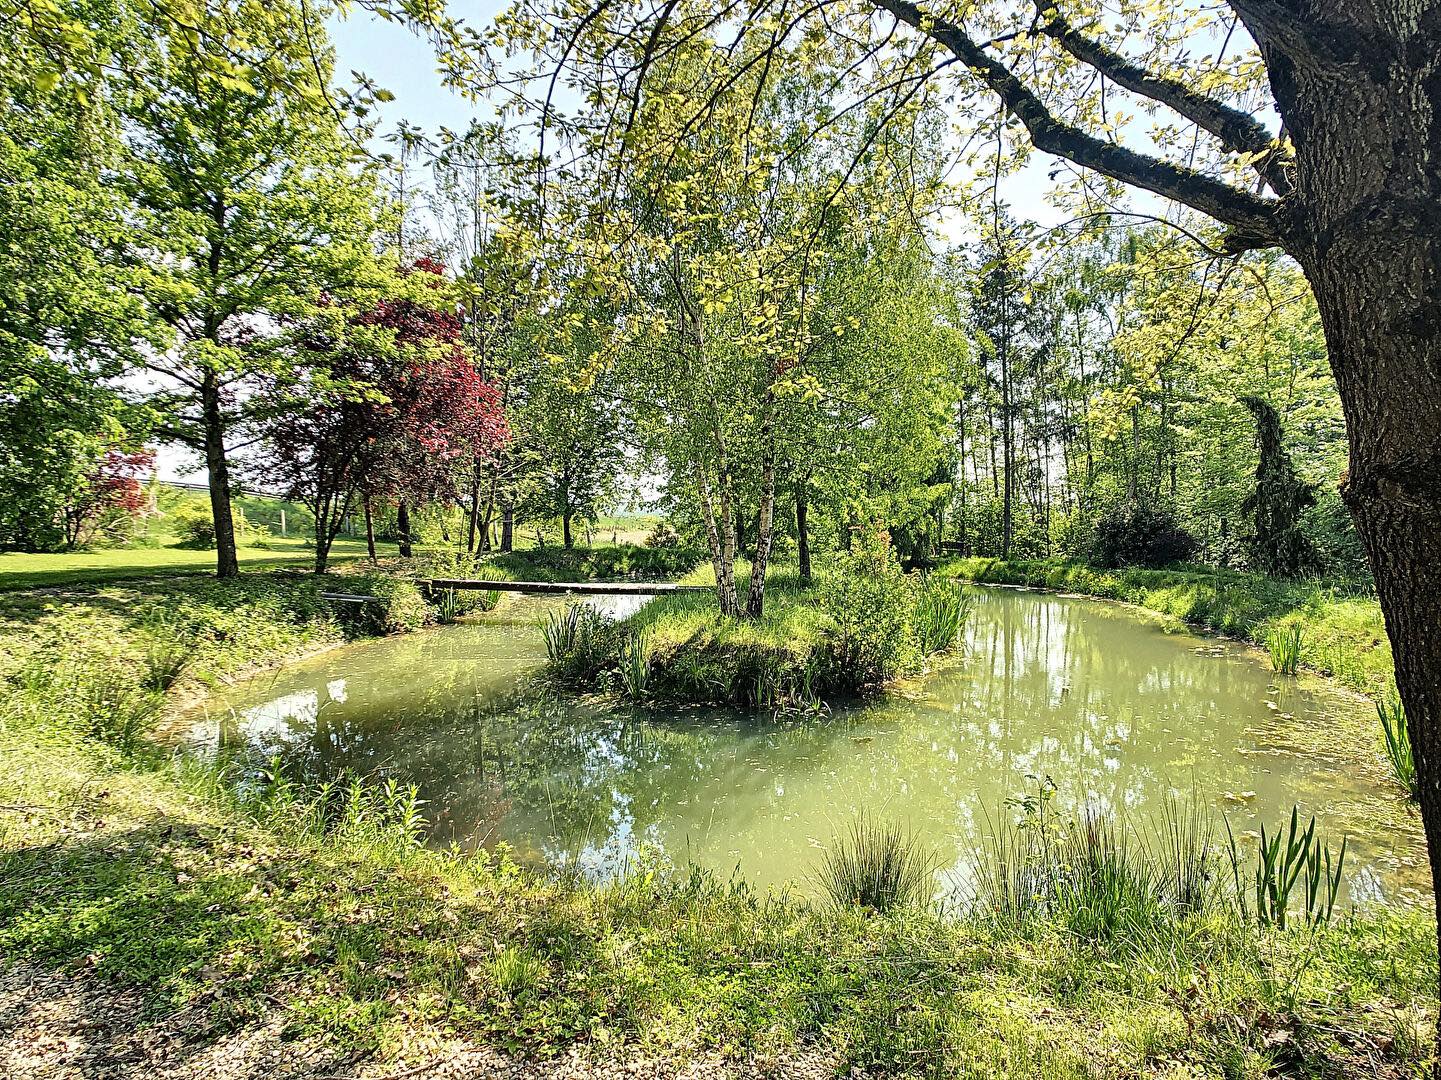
{"x":19,"y":570}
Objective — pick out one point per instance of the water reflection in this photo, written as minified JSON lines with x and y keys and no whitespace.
{"x":1118,"y":713}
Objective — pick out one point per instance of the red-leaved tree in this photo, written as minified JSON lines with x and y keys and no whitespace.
{"x":113,"y":491}
{"x":389,"y":406}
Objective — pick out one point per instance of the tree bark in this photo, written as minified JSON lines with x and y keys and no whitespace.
{"x":507,"y":528}
{"x":765,"y":519}
{"x":803,"y":536}
{"x":402,"y":528}
{"x":565,"y":530}
{"x":217,"y":469}
{"x":369,"y":528}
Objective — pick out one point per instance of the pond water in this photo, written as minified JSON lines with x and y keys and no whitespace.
{"x":1117,"y":712}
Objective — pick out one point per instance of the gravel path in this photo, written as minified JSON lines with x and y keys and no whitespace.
{"x":69,"y":1026}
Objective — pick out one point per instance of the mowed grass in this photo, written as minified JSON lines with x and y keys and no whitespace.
{"x":22,"y":570}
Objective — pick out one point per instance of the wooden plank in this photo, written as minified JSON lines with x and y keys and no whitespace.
{"x":350,"y":598}
{"x":589,"y":588}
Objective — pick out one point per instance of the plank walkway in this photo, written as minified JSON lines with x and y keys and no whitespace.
{"x":587,"y":588}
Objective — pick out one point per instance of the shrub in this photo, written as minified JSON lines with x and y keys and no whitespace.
{"x":870,"y":602}
{"x":1137,"y":535}
{"x":402,"y":607}
{"x":879,"y":866}
{"x":194,"y":527}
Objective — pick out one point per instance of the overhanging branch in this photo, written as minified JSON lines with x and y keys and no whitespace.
{"x":1252,"y":218}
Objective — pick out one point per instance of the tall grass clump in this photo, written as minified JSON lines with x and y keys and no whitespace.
{"x":380,"y":817}
{"x":1285,"y":860}
{"x":1398,"y":742}
{"x":1095,"y":875}
{"x":1284,"y":645}
{"x":99,"y":698}
{"x":635,"y":664}
{"x":942,"y":608}
{"x":877,"y":865}
{"x":166,"y":650}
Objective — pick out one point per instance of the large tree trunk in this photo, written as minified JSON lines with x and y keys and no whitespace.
{"x":217,"y":469}
{"x":1366,"y":229}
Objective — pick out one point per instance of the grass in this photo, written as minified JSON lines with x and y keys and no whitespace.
{"x":1396,"y":738}
{"x":1344,"y":633}
{"x":21,"y":570}
{"x":157,"y":876}
{"x":1284,"y":644}
{"x":228,"y":894}
{"x":876,"y":865}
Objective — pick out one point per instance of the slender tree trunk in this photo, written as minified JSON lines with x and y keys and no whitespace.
{"x":402,"y":528}
{"x":369,"y":528}
{"x":472,"y":529}
{"x":565,"y":531}
{"x":765,"y":518}
{"x":217,"y":469}
{"x":507,"y":527}
{"x":803,"y":535}
{"x":1008,"y":456}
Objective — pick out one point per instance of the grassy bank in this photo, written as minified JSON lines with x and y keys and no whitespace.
{"x":146,"y":873}
{"x":841,"y":635}
{"x":258,"y":902}
{"x":1341,"y":629}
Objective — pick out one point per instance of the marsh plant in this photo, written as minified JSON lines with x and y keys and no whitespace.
{"x":1097,"y":875}
{"x":877,"y":865}
{"x":1294,"y":870}
{"x":635,"y":664}
{"x":1284,"y":645}
{"x":380,"y":816}
{"x":102,"y":699}
{"x":166,"y":651}
{"x":1397,"y":739}
{"x":942,"y":608}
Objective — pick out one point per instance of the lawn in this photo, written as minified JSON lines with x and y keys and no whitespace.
{"x":22,"y":570}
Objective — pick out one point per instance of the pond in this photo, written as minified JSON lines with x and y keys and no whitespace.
{"x":1097,"y":698}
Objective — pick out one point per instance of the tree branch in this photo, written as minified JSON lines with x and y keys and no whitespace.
{"x":1238,"y":131}
{"x":1254,"y":220}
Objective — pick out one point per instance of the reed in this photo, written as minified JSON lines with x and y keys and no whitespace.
{"x":1284,"y":861}
{"x":635,"y":664}
{"x":942,"y":608}
{"x":1398,"y":742}
{"x":1284,"y":645}
{"x":877,"y":865}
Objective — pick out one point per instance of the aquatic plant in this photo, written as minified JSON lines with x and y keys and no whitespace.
{"x":635,"y":664}
{"x":1283,"y":861}
{"x":942,"y":608}
{"x":1398,"y":742}
{"x":1099,"y":877}
{"x":877,"y":865}
{"x":1284,"y":644}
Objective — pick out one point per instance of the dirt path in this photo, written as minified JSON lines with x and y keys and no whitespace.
{"x":68,"y":1026}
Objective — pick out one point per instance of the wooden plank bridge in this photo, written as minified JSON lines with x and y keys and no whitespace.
{"x":584,"y":588}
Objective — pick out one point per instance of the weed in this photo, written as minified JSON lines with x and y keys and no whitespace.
{"x":1284,"y":645}
{"x":515,"y":970}
{"x":635,"y":664}
{"x":942,"y":608}
{"x":1299,"y":857}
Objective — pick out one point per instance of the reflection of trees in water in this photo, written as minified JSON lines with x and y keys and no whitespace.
{"x":1114,"y":711}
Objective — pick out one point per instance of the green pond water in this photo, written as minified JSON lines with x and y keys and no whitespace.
{"x":1120,"y":714}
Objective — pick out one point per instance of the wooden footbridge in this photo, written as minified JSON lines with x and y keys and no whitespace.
{"x":583,"y":588}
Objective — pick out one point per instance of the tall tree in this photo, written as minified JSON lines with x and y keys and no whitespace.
{"x":246,"y":204}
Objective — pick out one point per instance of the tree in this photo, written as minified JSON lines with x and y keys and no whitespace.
{"x":246,"y":207}
{"x":378,"y":403}
{"x":1278,"y":544}
{"x":113,"y":487}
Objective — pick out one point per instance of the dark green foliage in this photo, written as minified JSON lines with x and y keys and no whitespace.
{"x":621,"y":562}
{"x":942,"y":608}
{"x":870,"y":603}
{"x":877,"y":865}
{"x":1134,"y":534}
{"x":1278,"y":545}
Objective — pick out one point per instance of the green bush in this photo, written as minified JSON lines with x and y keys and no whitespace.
{"x":870,"y":603}
{"x":1138,"y":535}
{"x":402,"y":609}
